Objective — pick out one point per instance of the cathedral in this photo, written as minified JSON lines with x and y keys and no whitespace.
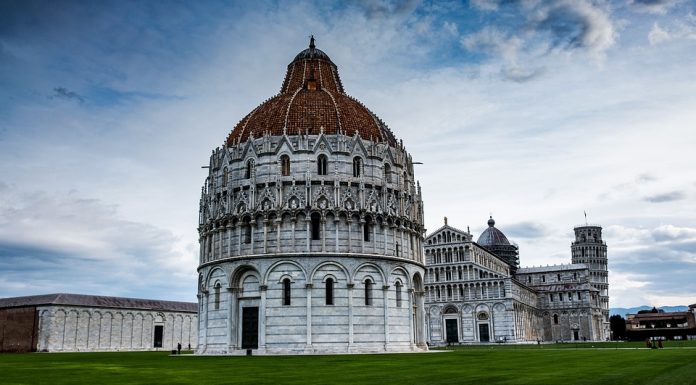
{"x":477,"y":293}
{"x":311,"y":227}
{"x":312,"y":241}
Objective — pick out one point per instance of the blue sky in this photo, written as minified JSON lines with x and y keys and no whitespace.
{"x":534,"y":111}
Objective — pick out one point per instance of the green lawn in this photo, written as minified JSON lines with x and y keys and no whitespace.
{"x":491,"y":365}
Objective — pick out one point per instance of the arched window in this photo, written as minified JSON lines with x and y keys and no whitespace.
{"x":286,"y":292}
{"x":217,"y":296}
{"x":397,"y":249}
{"x":555,"y":319}
{"x":284,"y":165}
{"x":387,"y":173}
{"x":329,"y":291}
{"x":225,"y":177}
{"x":249,"y":168}
{"x":366,"y":229}
{"x":405,"y":180}
{"x":322,"y":164}
{"x":398,"y":293}
{"x":247,"y":230}
{"x":357,"y":166}
{"x":368,"y":292}
{"x":316,"y":227}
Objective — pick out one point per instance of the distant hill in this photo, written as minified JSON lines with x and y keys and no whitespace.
{"x":622,"y":311}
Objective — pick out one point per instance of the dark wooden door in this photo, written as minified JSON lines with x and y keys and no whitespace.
{"x":250,"y":328}
{"x":452,"y":330}
{"x":483,"y":333}
{"x":159,"y":333}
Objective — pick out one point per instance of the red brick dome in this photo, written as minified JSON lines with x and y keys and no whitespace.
{"x":311,"y":100}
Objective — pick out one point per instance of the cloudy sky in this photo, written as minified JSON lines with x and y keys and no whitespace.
{"x":532,"y":111}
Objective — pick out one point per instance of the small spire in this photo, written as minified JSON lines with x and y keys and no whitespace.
{"x":445,"y":221}
{"x":311,"y":42}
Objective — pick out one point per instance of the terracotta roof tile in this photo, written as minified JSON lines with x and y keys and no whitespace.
{"x":299,"y":109}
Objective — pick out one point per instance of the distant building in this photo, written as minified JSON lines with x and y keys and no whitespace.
{"x":88,"y":323}
{"x":657,"y":324}
{"x":476,"y":293}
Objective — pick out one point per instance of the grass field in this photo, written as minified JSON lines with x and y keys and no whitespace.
{"x":479,"y":365}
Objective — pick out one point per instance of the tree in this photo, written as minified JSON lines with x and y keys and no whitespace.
{"x":618,"y":327}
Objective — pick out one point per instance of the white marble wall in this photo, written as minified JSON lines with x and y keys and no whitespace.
{"x":308,"y":324}
{"x":84,"y":329}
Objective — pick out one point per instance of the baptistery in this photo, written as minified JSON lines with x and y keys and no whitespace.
{"x":311,"y":227}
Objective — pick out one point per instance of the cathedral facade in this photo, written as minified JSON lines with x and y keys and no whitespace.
{"x":477,"y":293}
{"x":311,"y":227}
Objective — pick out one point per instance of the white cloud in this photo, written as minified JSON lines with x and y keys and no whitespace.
{"x":72,"y":236}
{"x":577,"y":24}
{"x":494,"y":41}
{"x":658,"y":35}
{"x":451,"y":28}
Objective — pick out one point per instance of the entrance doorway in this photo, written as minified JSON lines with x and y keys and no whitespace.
{"x":159,"y":332}
{"x":452,"y":331}
{"x":483,"y":333}
{"x":250,"y":328}
{"x":575,"y":335}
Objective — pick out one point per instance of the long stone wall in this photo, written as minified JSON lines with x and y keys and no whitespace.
{"x":84,"y":329}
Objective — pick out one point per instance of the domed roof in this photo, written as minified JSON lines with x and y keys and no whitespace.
{"x":311,"y":101}
{"x":312,"y":53}
{"x":492,"y":236}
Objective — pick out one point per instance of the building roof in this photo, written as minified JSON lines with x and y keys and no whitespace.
{"x":551,"y":268}
{"x":492,"y":236}
{"x":311,"y":101}
{"x":98,"y":301}
{"x":659,"y":316}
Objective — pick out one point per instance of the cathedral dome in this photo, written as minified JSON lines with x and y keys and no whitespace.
{"x":492,"y":236}
{"x":311,"y":101}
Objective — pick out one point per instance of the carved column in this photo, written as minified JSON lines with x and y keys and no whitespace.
{"x":350,"y":316}
{"x":262,"y":317}
{"x":239,"y":240}
{"x":420,"y":318}
{"x":229,"y":239}
{"x":323,"y":234}
{"x":385,"y":296}
{"x":308,"y":289}
{"x":232,"y":316}
{"x":350,"y":224}
{"x":265,"y":236}
{"x":219,"y":254}
{"x":253,"y":234}
{"x":337,"y":221}
{"x":294,"y":223}
{"x":278,"y":222}
{"x":362,"y":237}
{"x":308,"y":221}
{"x":411,"y":330}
